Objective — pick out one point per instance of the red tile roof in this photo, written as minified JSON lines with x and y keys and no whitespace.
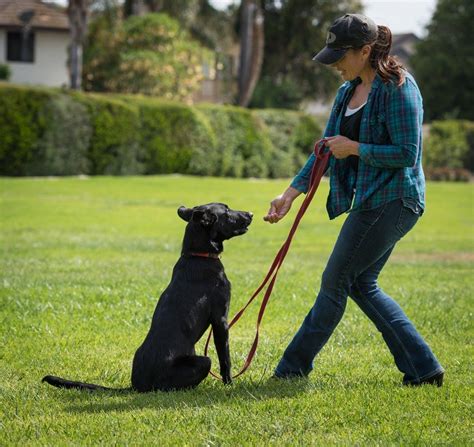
{"x":46,"y":15}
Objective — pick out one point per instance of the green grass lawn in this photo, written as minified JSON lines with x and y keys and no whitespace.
{"x":84,"y":261}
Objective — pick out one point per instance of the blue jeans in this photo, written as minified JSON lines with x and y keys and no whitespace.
{"x":364,"y":245}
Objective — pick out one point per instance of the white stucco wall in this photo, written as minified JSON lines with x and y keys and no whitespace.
{"x":49,"y":67}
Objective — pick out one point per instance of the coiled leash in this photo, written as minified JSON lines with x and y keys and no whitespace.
{"x":317,"y":172}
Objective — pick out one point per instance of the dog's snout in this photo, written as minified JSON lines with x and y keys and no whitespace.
{"x":247,"y":216}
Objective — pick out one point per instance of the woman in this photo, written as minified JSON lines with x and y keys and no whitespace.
{"x":375,"y":135}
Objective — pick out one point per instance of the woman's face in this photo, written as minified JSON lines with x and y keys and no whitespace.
{"x":353,"y":63}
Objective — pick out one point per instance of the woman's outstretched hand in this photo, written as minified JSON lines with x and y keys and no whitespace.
{"x":280,"y":205}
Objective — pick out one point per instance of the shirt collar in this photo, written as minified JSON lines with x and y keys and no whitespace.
{"x":375,"y":83}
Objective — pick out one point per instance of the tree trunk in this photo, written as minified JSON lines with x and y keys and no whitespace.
{"x":257,"y":53}
{"x":78,"y":14}
{"x":251,"y":49}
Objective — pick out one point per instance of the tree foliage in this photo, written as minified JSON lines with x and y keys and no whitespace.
{"x":294,"y":31}
{"x":444,"y":62}
{"x":149,"y":54}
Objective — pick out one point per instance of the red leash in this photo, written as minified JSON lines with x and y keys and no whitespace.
{"x":316,"y":174}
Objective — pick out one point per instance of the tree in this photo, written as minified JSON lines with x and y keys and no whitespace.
{"x":78,"y":11}
{"x":212,"y":27}
{"x":149,"y":54}
{"x":444,"y":62}
{"x":294,"y":31}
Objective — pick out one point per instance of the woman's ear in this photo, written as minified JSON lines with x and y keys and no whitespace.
{"x":366,"y":50}
{"x":185,"y":213}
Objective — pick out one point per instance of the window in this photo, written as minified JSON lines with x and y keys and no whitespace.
{"x":20,"y":47}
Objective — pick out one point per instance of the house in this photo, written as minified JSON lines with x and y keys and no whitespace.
{"x":34,"y":39}
{"x":403,"y":47}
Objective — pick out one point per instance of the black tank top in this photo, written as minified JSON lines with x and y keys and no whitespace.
{"x":350,"y":128}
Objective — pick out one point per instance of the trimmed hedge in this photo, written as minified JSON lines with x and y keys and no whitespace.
{"x":449,"y":150}
{"x":450,"y":144}
{"x":23,"y":123}
{"x":242,"y":148}
{"x":63,"y":148}
{"x":292,"y":135}
{"x":114,"y":146}
{"x":175,"y":137}
{"x":54,"y":132}
{"x":58,"y":132}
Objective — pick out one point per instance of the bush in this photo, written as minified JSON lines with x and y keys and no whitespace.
{"x":114,"y":147}
{"x":46,"y":132}
{"x":175,"y":138}
{"x":23,"y":124}
{"x":149,"y":54}
{"x":252,"y":144}
{"x":52,"y":132}
{"x":63,"y":148}
{"x":450,"y":144}
{"x":5,"y":72}
{"x":293,"y":135}
{"x":243,"y":148}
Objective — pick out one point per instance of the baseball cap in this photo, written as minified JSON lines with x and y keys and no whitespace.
{"x":348,"y":31}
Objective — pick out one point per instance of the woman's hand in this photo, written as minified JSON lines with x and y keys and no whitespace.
{"x":342,"y":147}
{"x":280,"y":205}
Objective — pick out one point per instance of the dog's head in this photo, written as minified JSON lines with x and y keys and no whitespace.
{"x":218,"y":219}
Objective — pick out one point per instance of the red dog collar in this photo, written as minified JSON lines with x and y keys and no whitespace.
{"x":205,"y":255}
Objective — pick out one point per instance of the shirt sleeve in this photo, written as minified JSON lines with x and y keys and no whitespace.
{"x":301,"y":180}
{"x":404,"y":117}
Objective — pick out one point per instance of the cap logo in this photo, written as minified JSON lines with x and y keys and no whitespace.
{"x":331,"y":38}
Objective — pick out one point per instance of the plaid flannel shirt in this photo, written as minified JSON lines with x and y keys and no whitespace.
{"x":389,"y":152}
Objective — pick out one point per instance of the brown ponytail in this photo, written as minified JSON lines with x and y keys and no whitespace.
{"x":388,"y":67}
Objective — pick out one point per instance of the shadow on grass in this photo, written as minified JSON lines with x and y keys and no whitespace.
{"x":206,"y":395}
{"x":212,"y":394}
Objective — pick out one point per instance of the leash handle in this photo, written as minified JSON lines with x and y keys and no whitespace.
{"x":317,"y":173}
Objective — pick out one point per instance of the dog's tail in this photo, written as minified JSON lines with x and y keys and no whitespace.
{"x":69,"y":384}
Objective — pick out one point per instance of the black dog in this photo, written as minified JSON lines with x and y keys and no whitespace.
{"x":198,"y":296}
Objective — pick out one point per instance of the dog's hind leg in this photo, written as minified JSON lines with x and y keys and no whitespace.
{"x":185,"y":372}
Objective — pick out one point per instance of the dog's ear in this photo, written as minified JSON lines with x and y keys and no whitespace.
{"x":205,"y":218}
{"x":185,"y":213}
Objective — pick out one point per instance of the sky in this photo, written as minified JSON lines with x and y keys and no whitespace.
{"x":400,"y":16}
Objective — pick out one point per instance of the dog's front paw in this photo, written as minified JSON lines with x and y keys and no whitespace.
{"x":227,"y":379}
